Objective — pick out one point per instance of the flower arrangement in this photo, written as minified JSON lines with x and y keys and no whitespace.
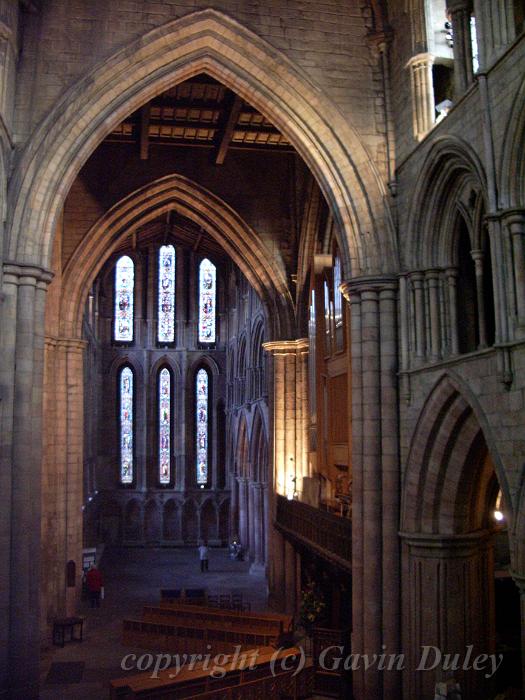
{"x":312,"y":606}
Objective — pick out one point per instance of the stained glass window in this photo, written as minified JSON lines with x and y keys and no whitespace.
{"x":338,"y":304}
{"x":124,"y":286}
{"x":207,"y":297}
{"x":328,"y":317}
{"x":166,"y":300}
{"x":202,"y":393}
{"x":164,"y":426}
{"x":474,"y":44}
{"x":126,"y":425}
{"x":311,"y":358}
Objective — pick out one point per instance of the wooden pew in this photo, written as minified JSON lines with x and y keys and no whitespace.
{"x":175,"y":638}
{"x":261,"y":673}
{"x":178,"y":629}
{"x":280,"y":624}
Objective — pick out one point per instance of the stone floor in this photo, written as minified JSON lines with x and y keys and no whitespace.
{"x":133,"y":578}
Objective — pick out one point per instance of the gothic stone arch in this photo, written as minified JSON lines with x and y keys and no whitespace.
{"x":178,"y":193}
{"x":211,"y":42}
{"x":448,"y":592}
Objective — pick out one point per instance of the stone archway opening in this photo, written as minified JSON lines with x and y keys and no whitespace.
{"x":206,"y":42}
{"x":460,"y":597}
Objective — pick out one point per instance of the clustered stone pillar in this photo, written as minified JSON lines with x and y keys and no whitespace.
{"x":519,"y":580}
{"x":243,"y":510}
{"x":451,"y":274}
{"x":289,"y":401}
{"x":423,"y":111}
{"x":375,"y":473}
{"x":477,"y":256}
{"x":515,"y":222}
{"x":460,"y":12}
{"x":22,"y":380}
{"x":62,"y":478}
{"x":259,"y":523}
{"x":498,"y":29}
{"x":444,"y":574}
{"x":290,"y":397}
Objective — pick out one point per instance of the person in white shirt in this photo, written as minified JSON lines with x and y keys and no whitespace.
{"x":203,"y":556}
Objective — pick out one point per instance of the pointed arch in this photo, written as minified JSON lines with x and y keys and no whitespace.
{"x":152,"y":521}
{"x":450,"y":167}
{"x":209,"y":520}
{"x":259,"y":447}
{"x":439,"y":487}
{"x":242,"y":450}
{"x":190,"y":522}
{"x":133,"y":525}
{"x":512,"y":170}
{"x":170,"y":520}
{"x":175,"y":192}
{"x":211,"y":42}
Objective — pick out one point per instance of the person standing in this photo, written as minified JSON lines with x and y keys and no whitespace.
{"x":94,"y":582}
{"x":203,"y":556}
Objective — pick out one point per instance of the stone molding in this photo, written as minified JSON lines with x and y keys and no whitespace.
{"x":69,"y":343}
{"x":23,"y":274}
{"x":445,"y":545}
{"x":287,"y":347}
{"x":372,"y":283}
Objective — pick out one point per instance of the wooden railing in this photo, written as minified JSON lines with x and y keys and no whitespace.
{"x":331,"y":648}
{"x":329,"y":535}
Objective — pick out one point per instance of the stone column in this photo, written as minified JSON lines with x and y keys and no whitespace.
{"x":358,"y":631}
{"x":477,"y":256}
{"x":451,"y":274}
{"x":22,"y":369}
{"x":290,"y":572}
{"x":290,"y":395}
{"x":251,"y":520}
{"x":390,"y":473}
{"x":432,"y":280}
{"x":460,"y":11}
{"x":515,"y":222}
{"x":288,"y":453}
{"x":62,"y":475}
{"x":448,"y":603}
{"x":375,"y":471}
{"x":9,"y":49}
{"x":496,"y":28}
{"x":519,"y":580}
{"x":422,"y":89}
{"x":234,"y":507}
{"x":243,"y":511}
{"x":417,"y":279}
{"x":258,"y":517}
{"x":75,"y":435}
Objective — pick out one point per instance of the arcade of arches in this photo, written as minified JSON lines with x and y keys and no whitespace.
{"x":263,"y":278}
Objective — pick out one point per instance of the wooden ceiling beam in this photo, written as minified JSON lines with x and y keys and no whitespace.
{"x":144,"y":131}
{"x":226,"y":134}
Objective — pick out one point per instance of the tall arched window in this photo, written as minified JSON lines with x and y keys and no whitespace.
{"x":207,"y":300}
{"x":202,"y":425}
{"x":468,"y":312}
{"x":164,"y":402}
{"x":338,"y":304}
{"x":166,"y":295}
{"x":126,"y":425}
{"x":124,"y":289}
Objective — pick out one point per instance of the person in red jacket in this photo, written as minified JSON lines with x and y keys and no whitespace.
{"x":94,"y":584}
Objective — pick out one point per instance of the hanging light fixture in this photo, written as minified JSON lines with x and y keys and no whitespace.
{"x":498,"y":512}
